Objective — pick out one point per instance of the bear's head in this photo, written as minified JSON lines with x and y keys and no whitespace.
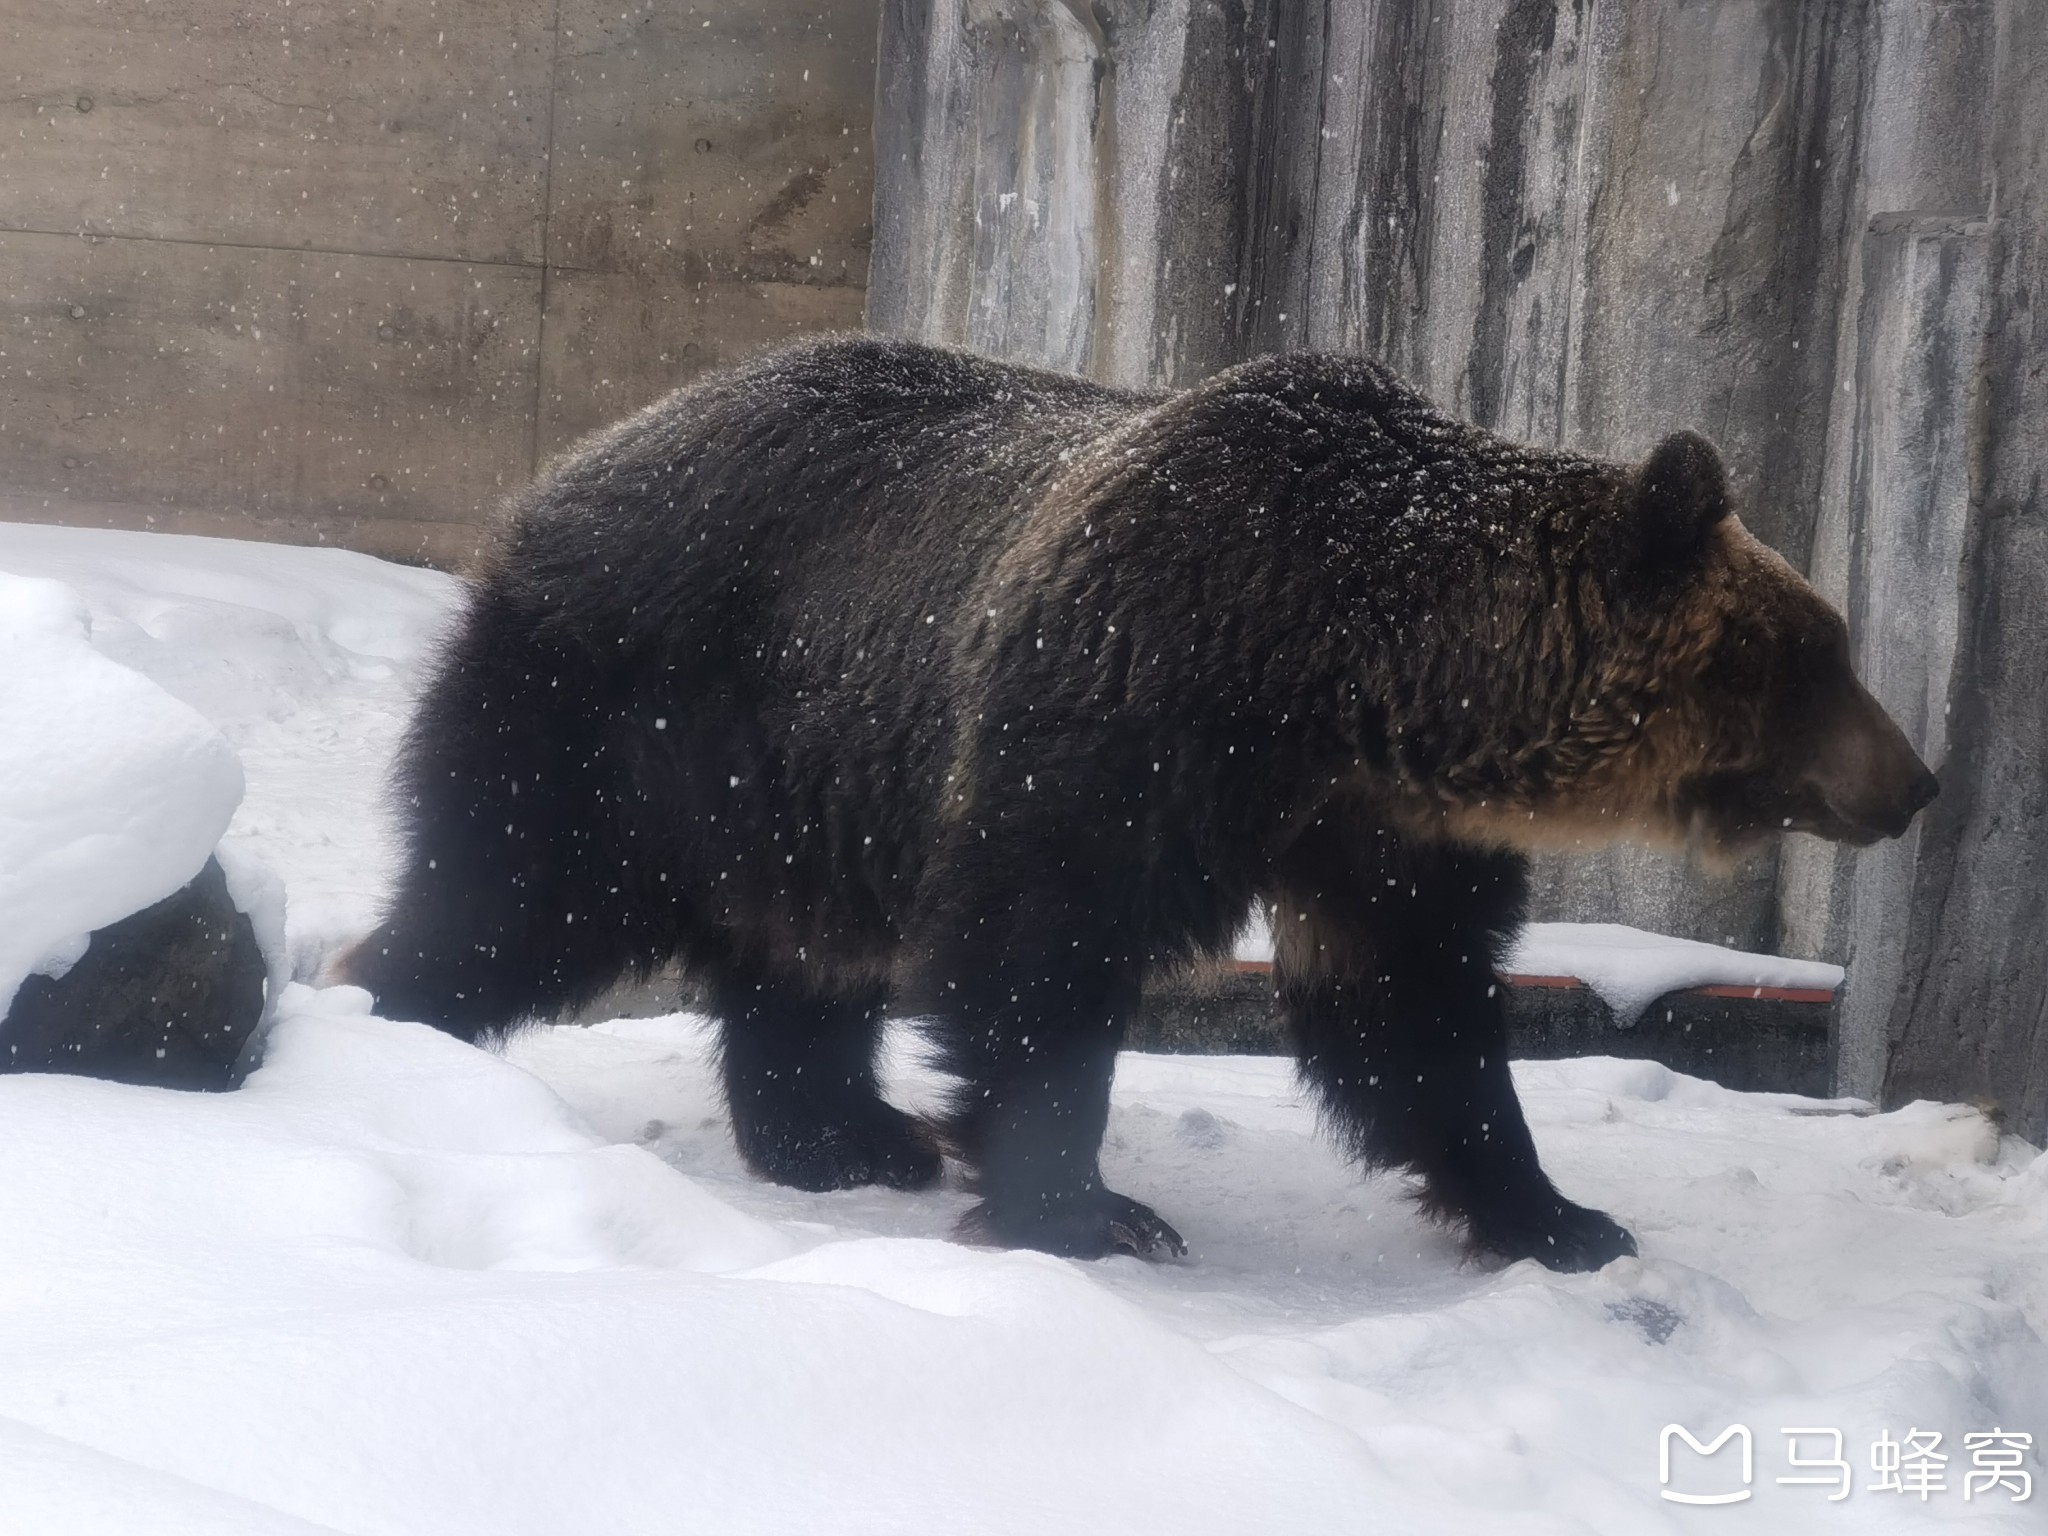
{"x":1747,"y":717}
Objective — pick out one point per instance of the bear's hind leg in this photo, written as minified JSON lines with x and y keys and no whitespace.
{"x":1029,"y":993}
{"x":799,"y":1070}
{"x":1030,"y":1117}
{"x":1386,"y":953}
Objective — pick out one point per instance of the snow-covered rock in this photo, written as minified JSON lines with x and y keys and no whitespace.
{"x":305,"y":660}
{"x":112,"y":792}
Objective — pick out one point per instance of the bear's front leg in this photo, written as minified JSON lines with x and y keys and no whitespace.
{"x":1386,"y":953}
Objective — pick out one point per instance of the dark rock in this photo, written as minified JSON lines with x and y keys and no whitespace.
{"x":1655,"y":1321}
{"x":166,"y":998}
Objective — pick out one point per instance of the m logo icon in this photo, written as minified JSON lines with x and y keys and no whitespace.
{"x":1732,"y":1432}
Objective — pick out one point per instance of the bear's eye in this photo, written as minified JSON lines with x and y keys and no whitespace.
{"x":1818,"y":653}
{"x":1742,"y":662}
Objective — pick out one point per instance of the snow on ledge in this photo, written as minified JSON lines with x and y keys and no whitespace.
{"x":1631,"y":968}
{"x":1628,"y":967}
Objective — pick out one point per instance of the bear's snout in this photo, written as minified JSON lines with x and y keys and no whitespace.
{"x":1868,"y":776}
{"x":1892,"y":814}
{"x":1925,"y":790}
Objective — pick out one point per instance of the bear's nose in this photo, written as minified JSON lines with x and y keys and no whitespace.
{"x":1924,"y":789}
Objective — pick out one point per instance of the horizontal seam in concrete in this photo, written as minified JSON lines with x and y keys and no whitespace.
{"x":287,"y":250}
{"x":535,"y":267}
{"x":20,"y":506}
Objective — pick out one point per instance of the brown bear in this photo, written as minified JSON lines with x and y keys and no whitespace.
{"x":871,"y":675}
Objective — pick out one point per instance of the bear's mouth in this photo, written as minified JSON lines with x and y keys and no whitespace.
{"x":1877,"y":818}
{"x":1737,"y":818}
{"x":1829,"y":824}
{"x":1838,"y":829}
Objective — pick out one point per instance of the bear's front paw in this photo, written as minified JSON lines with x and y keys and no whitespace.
{"x":1556,"y":1234}
{"x":1086,"y":1226}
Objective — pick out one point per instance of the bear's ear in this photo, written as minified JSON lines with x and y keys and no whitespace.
{"x":1681,"y":493}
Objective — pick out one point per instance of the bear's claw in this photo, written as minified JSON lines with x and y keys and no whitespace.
{"x":1092,"y":1226}
{"x":1149,"y":1237}
{"x":1559,"y":1235}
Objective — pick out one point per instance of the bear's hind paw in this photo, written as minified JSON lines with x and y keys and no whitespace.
{"x":884,"y":1146}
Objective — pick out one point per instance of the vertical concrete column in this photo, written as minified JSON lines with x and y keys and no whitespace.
{"x":1971,"y":1015}
{"x":1902,"y":474}
{"x":1459,"y":161}
{"x":995,"y":166}
{"x":1918,"y":423}
{"x":1063,"y":183}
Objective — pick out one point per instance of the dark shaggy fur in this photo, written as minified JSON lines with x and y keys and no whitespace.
{"x":871,"y":674}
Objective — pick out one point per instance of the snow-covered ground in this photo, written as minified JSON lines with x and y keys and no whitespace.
{"x":397,"y":1285}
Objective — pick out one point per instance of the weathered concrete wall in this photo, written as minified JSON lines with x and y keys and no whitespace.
{"x":345,"y":272}
{"x":1892,"y":527}
{"x":1971,"y":1014}
{"x":1805,"y":227}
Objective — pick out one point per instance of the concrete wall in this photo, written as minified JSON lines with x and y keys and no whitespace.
{"x":1810,"y":228}
{"x":347,"y":271}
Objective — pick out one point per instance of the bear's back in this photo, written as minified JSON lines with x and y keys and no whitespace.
{"x":768,"y":561}
{"x":813,"y":487}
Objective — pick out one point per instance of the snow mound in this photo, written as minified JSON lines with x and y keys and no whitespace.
{"x":112,"y":792}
